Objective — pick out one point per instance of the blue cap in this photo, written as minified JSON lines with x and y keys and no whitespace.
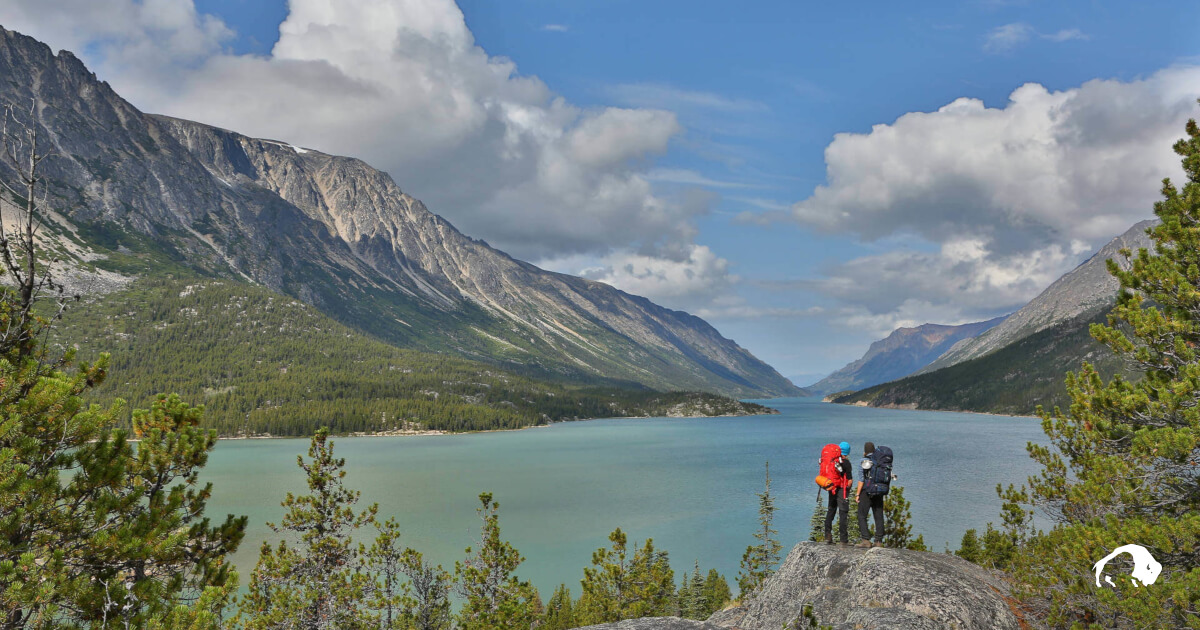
{"x":845,"y":446}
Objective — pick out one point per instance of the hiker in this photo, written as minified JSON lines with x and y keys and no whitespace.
{"x":876,"y":481}
{"x":837,"y":474}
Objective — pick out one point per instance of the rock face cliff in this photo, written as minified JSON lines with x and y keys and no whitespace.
{"x":855,"y":589}
{"x":342,"y":236}
{"x":899,"y":354}
{"x":1085,"y":291}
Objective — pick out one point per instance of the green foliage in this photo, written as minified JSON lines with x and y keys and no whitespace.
{"x":806,"y":621}
{"x":994,"y":551}
{"x":618,"y":587}
{"x":760,"y":559}
{"x":386,"y":561}
{"x":816,"y":524}
{"x":1121,"y":467}
{"x":426,"y":600}
{"x":690,"y":595}
{"x":269,"y":364}
{"x":495,"y":598}
{"x":897,"y":522}
{"x":699,"y":597}
{"x":317,"y":582}
{"x":560,"y":611}
{"x":92,"y":529}
{"x":969,"y":548}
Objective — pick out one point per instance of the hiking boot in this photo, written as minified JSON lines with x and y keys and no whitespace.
{"x":828,"y":539}
{"x":863,"y":544}
{"x":878,"y":544}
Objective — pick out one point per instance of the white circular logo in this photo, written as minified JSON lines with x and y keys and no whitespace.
{"x":1145,"y":567}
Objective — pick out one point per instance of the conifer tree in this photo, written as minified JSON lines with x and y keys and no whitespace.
{"x":716,"y":592}
{"x":495,"y":598}
{"x":1121,"y":465}
{"x":816,"y":524}
{"x":969,"y":548}
{"x":560,"y":611}
{"x":691,"y":595}
{"x":897,"y":522}
{"x":385,"y":560}
{"x":759,"y":560}
{"x":317,"y":582}
{"x":427,"y":602}
{"x":618,"y":587}
{"x":92,"y":531}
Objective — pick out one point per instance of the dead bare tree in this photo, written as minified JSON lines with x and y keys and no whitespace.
{"x":21,"y":219}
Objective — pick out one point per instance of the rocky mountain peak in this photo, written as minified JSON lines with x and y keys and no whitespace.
{"x":343,"y":236}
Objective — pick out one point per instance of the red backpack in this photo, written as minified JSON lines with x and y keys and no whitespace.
{"x":829,"y":477}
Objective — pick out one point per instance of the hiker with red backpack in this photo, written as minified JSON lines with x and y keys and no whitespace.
{"x":876,"y":481}
{"x":837,"y":473}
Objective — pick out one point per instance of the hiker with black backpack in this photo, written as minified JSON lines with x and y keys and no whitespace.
{"x":876,"y":481}
{"x":836,"y":476}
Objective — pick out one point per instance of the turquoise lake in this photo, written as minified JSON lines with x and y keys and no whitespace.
{"x":689,"y":484}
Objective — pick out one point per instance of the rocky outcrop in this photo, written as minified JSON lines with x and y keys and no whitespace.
{"x":899,"y":354}
{"x":1086,"y":289}
{"x":856,"y":589}
{"x":342,"y":236}
{"x":655,"y":623}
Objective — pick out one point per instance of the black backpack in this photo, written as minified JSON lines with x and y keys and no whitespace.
{"x":879,"y":477}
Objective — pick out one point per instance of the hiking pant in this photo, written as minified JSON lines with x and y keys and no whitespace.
{"x":841,"y":505}
{"x":874,"y":503}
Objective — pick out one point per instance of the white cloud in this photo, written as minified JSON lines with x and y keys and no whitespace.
{"x":997,"y":202}
{"x":556,"y":28}
{"x":1005,"y":38}
{"x":690,"y":277}
{"x":1065,"y":35}
{"x":402,"y":85}
{"x":675,"y":99}
{"x":739,"y":309}
{"x":689,"y":177}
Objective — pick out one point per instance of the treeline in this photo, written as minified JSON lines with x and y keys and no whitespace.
{"x":318,"y":573}
{"x":262,"y":363}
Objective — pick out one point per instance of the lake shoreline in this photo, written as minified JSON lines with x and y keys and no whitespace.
{"x":915,"y":408}
{"x":421,"y":433}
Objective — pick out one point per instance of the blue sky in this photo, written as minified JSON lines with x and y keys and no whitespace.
{"x":712,"y":125}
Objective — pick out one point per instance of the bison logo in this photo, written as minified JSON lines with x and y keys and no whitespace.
{"x":1145,"y":567}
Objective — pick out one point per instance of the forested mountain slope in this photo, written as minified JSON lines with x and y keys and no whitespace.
{"x":264,"y":363}
{"x":1012,"y":380}
{"x":335,"y":233}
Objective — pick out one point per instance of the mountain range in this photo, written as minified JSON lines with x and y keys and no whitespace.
{"x":1020,"y":363}
{"x":901,"y":353}
{"x":140,"y":196}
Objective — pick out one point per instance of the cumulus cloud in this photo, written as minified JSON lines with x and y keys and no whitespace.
{"x":404,"y":86}
{"x":996,"y":202}
{"x":687,"y":277}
